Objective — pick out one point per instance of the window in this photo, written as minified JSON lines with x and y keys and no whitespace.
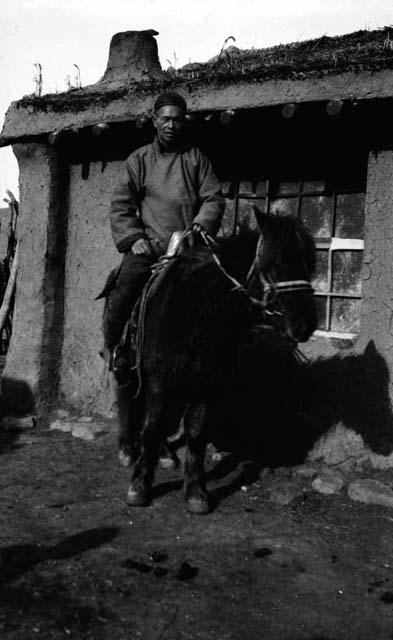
{"x":335,"y":216}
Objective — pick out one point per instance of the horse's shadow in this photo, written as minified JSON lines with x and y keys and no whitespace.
{"x":278,"y":407}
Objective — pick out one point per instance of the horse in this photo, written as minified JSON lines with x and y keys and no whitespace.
{"x":196,"y":314}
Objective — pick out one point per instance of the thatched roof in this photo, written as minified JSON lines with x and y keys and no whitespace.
{"x":213,"y":84}
{"x":358,"y":51}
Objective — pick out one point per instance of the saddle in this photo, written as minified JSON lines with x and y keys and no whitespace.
{"x":133,"y":338}
{"x":127,"y":355}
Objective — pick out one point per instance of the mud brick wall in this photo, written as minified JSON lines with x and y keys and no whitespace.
{"x":84,"y":382}
{"x":38,"y":317}
{"x":377,"y":307}
{"x":90,"y":257}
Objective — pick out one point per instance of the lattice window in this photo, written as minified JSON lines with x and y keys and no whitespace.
{"x":335,"y":216}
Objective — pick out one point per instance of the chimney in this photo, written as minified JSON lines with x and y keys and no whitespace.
{"x":133,"y":56}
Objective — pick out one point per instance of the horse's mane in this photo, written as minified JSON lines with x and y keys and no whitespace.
{"x":284,"y":234}
{"x":281,"y":234}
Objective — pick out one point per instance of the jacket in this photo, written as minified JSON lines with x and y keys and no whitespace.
{"x":161,"y":192}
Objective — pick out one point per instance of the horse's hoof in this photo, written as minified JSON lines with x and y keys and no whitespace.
{"x":136,"y":498}
{"x":125,"y":459}
{"x":197,"y":505}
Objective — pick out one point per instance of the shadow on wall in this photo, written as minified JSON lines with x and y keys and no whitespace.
{"x":279,"y":407}
{"x":16,"y":400}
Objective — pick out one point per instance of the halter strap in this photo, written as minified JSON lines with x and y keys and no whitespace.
{"x":157,"y":269}
{"x":279,"y":287}
{"x":286,"y":286}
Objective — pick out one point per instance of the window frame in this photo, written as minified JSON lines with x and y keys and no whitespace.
{"x":329,"y":244}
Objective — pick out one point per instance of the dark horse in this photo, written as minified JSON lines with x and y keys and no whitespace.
{"x":197,"y":313}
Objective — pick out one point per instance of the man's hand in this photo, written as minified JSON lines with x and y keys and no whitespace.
{"x":141,"y":247}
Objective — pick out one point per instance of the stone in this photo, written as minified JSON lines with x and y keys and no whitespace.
{"x":62,"y":414}
{"x":304,"y":471}
{"x":87,"y":432}
{"x":328,"y":482}
{"x":85,"y":419}
{"x":61,"y":425}
{"x":339,"y":445}
{"x":265,"y":473}
{"x":381,"y":462}
{"x":346,"y":450}
{"x":9,"y":423}
{"x":371,"y":491}
{"x":83,"y":431}
{"x":282,"y":472}
{"x":284,"y":492}
{"x":27,"y":439}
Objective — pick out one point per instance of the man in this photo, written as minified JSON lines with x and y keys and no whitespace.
{"x":165,"y":187}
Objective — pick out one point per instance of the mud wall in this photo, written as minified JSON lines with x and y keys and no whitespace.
{"x":377,"y":273}
{"x":85,"y":383}
{"x":34,"y":355}
{"x":377,"y":308}
{"x":67,"y":251}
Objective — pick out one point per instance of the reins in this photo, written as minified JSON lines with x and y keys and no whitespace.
{"x":271,"y":291}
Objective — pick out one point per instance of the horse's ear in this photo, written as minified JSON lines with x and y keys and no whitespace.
{"x":263,"y":219}
{"x":370,"y":349}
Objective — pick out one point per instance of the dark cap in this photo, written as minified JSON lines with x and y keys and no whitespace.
{"x":170,"y":98}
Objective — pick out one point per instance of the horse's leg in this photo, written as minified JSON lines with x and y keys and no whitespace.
{"x":195,"y":423}
{"x":163,"y":410}
{"x":152,"y":436}
{"x":129,"y":414}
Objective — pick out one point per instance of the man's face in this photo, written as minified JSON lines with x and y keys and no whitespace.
{"x":169,"y":122}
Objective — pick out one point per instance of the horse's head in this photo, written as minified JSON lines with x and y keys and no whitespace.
{"x":283,"y":267}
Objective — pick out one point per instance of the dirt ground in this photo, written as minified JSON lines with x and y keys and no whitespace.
{"x":78,"y":563}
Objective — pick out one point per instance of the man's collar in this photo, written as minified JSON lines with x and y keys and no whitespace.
{"x":182,"y":146}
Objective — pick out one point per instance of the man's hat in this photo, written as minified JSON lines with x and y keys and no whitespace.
{"x":170,"y":98}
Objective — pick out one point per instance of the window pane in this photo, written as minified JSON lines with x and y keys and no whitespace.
{"x":284,"y":206}
{"x":260,"y":188}
{"x":314,"y":185}
{"x":345,"y":315}
{"x":316,"y":213}
{"x":252,"y":188}
{"x":245,"y":212}
{"x":350,"y":215}
{"x":288,"y":187}
{"x":226,"y":188}
{"x":228,"y":220}
{"x":347,"y":266}
{"x":246,"y":188}
{"x":320,"y":281}
{"x":320,"y":303}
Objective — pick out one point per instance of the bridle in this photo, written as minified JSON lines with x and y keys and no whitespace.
{"x":272,"y":290}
